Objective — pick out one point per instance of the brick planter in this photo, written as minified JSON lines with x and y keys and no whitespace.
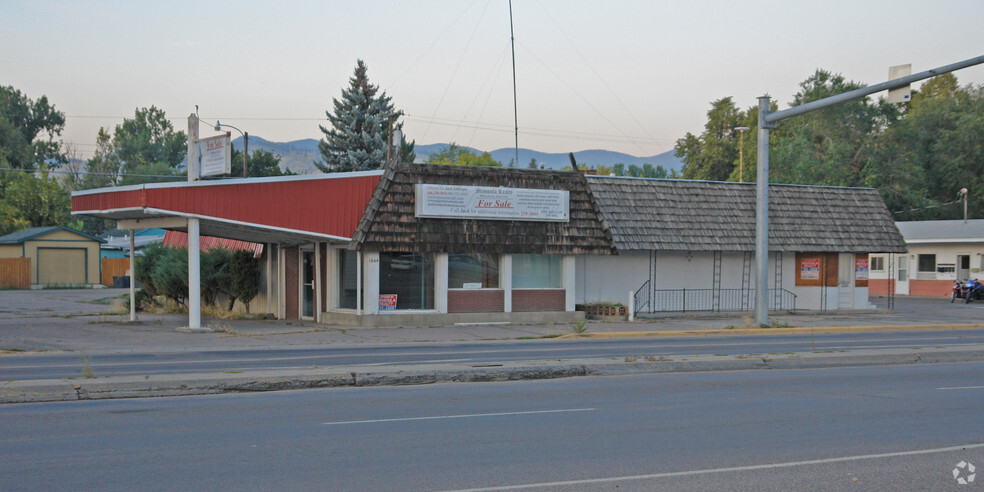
{"x":606,"y":311}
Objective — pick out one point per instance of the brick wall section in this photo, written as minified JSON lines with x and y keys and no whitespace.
{"x":941,"y":288}
{"x":476,"y":301}
{"x":525,"y":300}
{"x":291,"y":282}
{"x":878,"y":286}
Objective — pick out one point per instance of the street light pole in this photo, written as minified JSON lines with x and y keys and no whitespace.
{"x":218,"y":128}
{"x":741,"y":152}
{"x":767,"y":120}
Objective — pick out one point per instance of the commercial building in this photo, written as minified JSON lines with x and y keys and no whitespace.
{"x":426,"y":244}
{"x":689,"y":245}
{"x":939,"y":253}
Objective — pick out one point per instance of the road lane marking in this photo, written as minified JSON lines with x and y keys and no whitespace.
{"x":726,"y":470}
{"x":961,"y":388}
{"x":464,"y":416}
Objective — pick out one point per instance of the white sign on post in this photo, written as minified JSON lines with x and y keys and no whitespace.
{"x":215,"y":155}
{"x":490,"y":203}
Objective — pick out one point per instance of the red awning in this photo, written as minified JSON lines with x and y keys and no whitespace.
{"x":177,"y":239}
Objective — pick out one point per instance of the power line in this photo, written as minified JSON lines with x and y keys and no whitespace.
{"x":91,"y":173}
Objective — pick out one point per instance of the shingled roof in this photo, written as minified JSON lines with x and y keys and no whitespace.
{"x":390,"y":224}
{"x":678,"y":215}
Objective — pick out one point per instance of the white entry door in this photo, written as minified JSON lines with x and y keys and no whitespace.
{"x":902,"y":276}
{"x":845,"y":281}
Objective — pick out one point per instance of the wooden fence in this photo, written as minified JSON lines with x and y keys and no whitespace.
{"x":113,"y":267}
{"x":15,"y":273}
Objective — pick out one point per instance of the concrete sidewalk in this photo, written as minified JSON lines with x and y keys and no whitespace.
{"x":78,"y":320}
{"x":358,"y":376}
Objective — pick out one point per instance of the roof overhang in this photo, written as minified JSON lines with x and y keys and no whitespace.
{"x":150,"y":218}
{"x":284,"y":210}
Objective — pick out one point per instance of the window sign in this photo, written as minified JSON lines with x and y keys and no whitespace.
{"x":490,"y":203}
{"x":861,"y":269}
{"x":387,"y":302}
{"x":810,"y":269}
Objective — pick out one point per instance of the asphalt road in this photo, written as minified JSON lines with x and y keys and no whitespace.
{"x":68,"y":365}
{"x":881,"y":428}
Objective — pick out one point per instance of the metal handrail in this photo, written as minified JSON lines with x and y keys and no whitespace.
{"x":684,"y":300}
{"x":639,"y":304}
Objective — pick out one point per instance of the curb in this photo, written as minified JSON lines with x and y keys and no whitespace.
{"x":359,"y":376}
{"x":771,"y":331}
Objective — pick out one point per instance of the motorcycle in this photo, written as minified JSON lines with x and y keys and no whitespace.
{"x":975,"y":290}
{"x":960,"y":288}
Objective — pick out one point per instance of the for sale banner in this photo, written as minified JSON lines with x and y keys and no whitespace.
{"x":491,"y":203}
{"x":810,"y":269}
{"x":861,"y":269}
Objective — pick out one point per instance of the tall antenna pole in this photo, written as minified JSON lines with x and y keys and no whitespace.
{"x":512,"y":42}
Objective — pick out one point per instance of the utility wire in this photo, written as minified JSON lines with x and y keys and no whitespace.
{"x":928,"y":207}
{"x":456,"y":67}
{"x":588,"y":64}
{"x":92,"y":173}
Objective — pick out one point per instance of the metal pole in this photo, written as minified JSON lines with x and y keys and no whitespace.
{"x":871,"y":89}
{"x":762,"y":217}
{"x":512,"y":42}
{"x":133,"y":282}
{"x":245,"y":153}
{"x":964,"y":191}
{"x":767,"y":121}
{"x":741,"y":156}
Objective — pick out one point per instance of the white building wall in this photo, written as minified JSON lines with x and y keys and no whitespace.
{"x":611,"y":278}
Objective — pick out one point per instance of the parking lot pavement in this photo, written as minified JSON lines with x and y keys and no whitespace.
{"x":92,"y":320}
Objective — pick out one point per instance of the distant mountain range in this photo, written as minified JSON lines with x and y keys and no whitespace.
{"x":299,"y":155}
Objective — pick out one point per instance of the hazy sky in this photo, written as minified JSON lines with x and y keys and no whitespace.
{"x":631,"y":76}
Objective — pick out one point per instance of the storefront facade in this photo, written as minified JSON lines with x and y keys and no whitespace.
{"x":414,"y":245}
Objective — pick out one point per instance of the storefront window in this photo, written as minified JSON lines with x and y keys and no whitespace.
{"x":536,"y":272}
{"x":408,"y":277}
{"x":348,"y":268}
{"x":473,"y":271}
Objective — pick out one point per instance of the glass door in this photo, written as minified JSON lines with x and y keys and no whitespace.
{"x":307,"y":284}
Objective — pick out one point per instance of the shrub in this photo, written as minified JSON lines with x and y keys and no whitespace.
{"x":244,"y":275}
{"x":215,"y":274}
{"x":170,"y":274}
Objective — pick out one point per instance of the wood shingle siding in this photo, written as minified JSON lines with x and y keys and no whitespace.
{"x":678,"y":215}
{"x":390,"y":224}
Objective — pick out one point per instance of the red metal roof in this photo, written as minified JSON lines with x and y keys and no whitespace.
{"x":178,"y":239}
{"x":326,"y":205}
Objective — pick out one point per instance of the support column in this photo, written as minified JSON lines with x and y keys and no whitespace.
{"x":505,"y":281}
{"x":133,"y":282}
{"x":269,"y":277}
{"x":370,"y":263}
{"x":317,"y":282}
{"x":568,"y":268}
{"x":441,"y":282}
{"x":194,"y":279}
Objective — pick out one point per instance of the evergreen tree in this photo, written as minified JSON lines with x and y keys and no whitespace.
{"x":359,"y":129}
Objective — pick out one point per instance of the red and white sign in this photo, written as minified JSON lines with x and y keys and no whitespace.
{"x":810,"y":269}
{"x":861,"y":269}
{"x":387,"y":302}
{"x":490,"y":203}
{"x":215,"y":155}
